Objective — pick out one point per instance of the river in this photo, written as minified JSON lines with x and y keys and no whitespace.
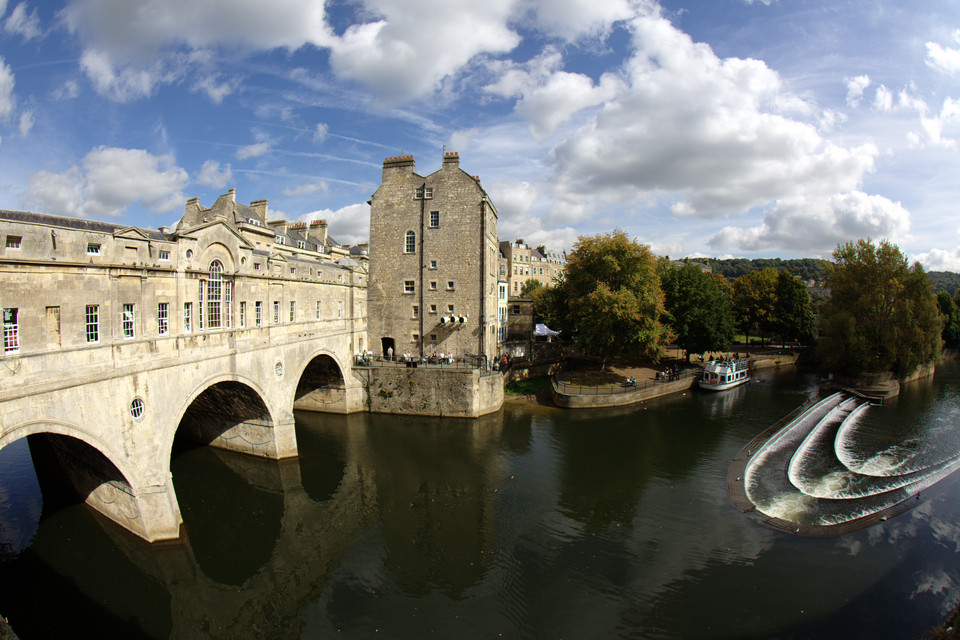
{"x":535,"y":522}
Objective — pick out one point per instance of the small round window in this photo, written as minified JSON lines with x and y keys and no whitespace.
{"x":136,"y":408}
{"x":189,"y":253}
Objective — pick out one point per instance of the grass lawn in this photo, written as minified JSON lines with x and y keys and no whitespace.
{"x":529,"y":387}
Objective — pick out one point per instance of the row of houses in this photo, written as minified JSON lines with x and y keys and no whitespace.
{"x":434,"y":277}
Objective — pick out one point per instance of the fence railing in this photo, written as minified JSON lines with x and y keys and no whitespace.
{"x":468,"y":362}
{"x":613,"y":389}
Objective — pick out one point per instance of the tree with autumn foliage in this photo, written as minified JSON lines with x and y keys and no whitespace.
{"x":612,"y":297}
{"x":754,"y":298}
{"x":882,"y":314}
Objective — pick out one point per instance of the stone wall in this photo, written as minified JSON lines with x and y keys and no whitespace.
{"x":431,"y":391}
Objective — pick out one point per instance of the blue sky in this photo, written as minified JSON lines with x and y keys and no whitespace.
{"x":752,"y":128}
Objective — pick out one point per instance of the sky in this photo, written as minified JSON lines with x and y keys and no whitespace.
{"x":722,"y":128}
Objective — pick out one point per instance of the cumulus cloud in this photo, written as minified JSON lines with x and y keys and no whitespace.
{"x":19,"y":22}
{"x":855,"y":88}
{"x":571,"y":19}
{"x":549,"y":96}
{"x":7,"y":99}
{"x":106,"y":182}
{"x":347,"y":225}
{"x":253,"y":150}
{"x":818,"y":224}
{"x":704,"y":128}
{"x":313,"y":188}
{"x":944,"y":59}
{"x":212,"y":175}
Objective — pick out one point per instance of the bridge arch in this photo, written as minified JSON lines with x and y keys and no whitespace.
{"x":321,"y":383}
{"x":230,"y":412}
{"x":109,"y":482}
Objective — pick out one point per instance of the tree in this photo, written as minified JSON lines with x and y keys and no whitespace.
{"x":699,"y":307}
{"x":951,"y":321}
{"x":754,"y":297}
{"x":614,"y":303}
{"x":793,"y":311}
{"x":528,"y":287}
{"x":881,"y":314}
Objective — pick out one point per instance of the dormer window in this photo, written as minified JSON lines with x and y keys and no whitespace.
{"x":301,"y":244}
{"x":280,"y":239}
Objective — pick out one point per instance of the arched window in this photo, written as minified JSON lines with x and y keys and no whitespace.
{"x":410,"y":245}
{"x":215,"y":295}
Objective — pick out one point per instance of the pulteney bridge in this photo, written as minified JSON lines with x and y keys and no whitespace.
{"x":113,"y":425}
{"x":119,"y":340}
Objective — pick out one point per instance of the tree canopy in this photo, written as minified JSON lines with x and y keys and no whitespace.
{"x":699,"y":308}
{"x":792,"y":310}
{"x":613,"y":298}
{"x":881,"y":314}
{"x":754,"y":297}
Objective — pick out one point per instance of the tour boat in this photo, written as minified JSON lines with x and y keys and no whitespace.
{"x":724,"y":374}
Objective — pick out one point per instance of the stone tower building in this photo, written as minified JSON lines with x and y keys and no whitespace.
{"x":434,"y":259}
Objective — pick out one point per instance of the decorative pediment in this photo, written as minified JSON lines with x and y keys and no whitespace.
{"x":131,"y":233}
{"x":205,"y":230}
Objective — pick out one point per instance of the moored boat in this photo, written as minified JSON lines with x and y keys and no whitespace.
{"x":719,"y":375}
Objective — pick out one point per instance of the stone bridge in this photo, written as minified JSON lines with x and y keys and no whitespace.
{"x":112,"y":412}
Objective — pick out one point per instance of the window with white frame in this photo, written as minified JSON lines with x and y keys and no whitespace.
{"x":416,"y":311}
{"x":163,"y":318}
{"x":93,"y":248}
{"x":11,"y":330}
{"x":293,"y":310}
{"x":434,"y":219}
{"x":409,"y":286}
{"x":187,"y":317}
{"x":276,"y":312}
{"x":243,"y":314}
{"x":410,"y":242}
{"x":258,"y":313}
{"x":13,"y":242}
{"x":127,"y":319}
{"x":92,"y":323}
{"x":215,"y":295}
{"x":163,"y":254}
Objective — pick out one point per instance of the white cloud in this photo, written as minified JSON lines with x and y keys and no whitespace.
{"x":703,"y":128}
{"x":883,"y":100}
{"x":571,"y":19}
{"x":855,"y":88}
{"x":21,"y":23}
{"x":107,"y":181}
{"x":7,"y":99}
{"x":320,"y":187}
{"x":26,"y":123}
{"x":347,"y":225}
{"x":549,"y":96}
{"x":940,"y":260}
{"x":944,"y":59}
{"x":320,"y":133}
{"x":67,"y":91}
{"x":253,"y":150}
{"x":215,"y":89}
{"x":818,"y":224}
{"x":212,"y":175}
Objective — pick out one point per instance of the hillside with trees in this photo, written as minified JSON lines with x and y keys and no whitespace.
{"x":804,"y":268}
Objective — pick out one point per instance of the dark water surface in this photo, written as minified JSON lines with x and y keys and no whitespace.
{"x":533,"y":523}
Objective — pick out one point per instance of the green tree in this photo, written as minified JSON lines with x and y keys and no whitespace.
{"x":614,"y":303}
{"x":951,"y":323}
{"x":528,"y":287}
{"x":881,"y":314}
{"x":754,"y":298}
{"x":700,"y":309}
{"x":793,"y":311}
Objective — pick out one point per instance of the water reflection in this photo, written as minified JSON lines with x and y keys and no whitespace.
{"x":533,"y":522}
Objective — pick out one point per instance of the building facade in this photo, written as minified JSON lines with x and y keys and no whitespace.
{"x":434,"y":263}
{"x":523,"y":263}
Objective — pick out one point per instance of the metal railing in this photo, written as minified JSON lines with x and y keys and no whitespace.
{"x":614,"y":389}
{"x":468,"y":362}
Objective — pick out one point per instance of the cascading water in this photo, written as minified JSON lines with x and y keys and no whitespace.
{"x":838,"y":466}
